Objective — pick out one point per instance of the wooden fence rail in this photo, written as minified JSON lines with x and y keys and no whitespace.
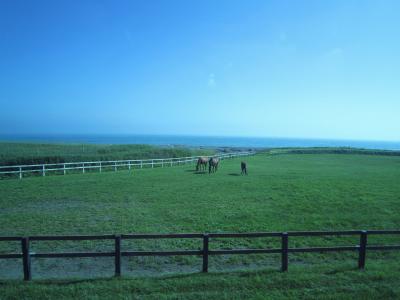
{"x":284,"y":250}
{"x":43,"y":169}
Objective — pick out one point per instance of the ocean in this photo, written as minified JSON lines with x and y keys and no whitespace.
{"x":205,"y":141}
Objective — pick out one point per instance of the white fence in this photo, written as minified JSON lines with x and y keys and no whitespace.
{"x":62,"y":168}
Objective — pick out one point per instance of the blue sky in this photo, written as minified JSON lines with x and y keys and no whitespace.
{"x":305,"y":69}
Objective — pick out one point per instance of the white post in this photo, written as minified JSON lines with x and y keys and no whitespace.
{"x":115,"y":166}
{"x":83,"y":168}
{"x":43,"y":170}
{"x":20,"y":173}
{"x":152,"y":163}
{"x":100,"y":167}
{"x":162,"y":163}
{"x":141,"y":164}
{"x":64,"y":169}
{"x":129,"y":165}
{"x":171,"y":162}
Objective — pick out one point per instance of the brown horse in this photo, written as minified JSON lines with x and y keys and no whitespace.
{"x":201,"y":163}
{"x":243,"y":166}
{"x":213,"y":165}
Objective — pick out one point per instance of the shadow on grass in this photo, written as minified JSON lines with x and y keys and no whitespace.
{"x":234,"y":174}
{"x":72,"y":281}
{"x":240,"y":273}
{"x":341,"y":270}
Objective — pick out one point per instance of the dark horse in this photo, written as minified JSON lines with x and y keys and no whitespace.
{"x":243,"y":166}
{"x":213,"y":165}
{"x":202,"y":163}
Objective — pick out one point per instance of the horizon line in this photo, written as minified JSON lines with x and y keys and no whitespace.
{"x":194,"y":135}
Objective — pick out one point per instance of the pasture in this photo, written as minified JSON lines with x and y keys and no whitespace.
{"x":39,"y":153}
{"x":286,"y":192}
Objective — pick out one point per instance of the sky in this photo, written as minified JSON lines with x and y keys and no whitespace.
{"x":302,"y":69}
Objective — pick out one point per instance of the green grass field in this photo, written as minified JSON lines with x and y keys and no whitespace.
{"x":39,"y":153}
{"x":281,"y":193}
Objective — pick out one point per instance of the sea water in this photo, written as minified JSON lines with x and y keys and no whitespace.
{"x":205,"y":141}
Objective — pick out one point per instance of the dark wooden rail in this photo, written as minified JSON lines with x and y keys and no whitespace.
{"x":284,"y":250}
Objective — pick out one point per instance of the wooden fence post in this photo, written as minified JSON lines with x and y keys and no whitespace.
{"x":117,"y":255}
{"x":26,"y":258}
{"x":362,"y":251}
{"x":285,"y":259}
{"x":205,"y":253}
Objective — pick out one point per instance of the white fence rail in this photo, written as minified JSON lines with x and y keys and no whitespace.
{"x":43,"y":169}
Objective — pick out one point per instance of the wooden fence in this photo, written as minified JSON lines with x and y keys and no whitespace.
{"x":62,"y":168}
{"x":284,"y":250}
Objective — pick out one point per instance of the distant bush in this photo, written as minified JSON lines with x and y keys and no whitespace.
{"x":36,"y":153}
{"x":328,"y":150}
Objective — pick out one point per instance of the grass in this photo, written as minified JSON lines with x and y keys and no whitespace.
{"x":38,"y":153}
{"x":333,"y":150}
{"x":379,"y":282}
{"x":281,"y":193}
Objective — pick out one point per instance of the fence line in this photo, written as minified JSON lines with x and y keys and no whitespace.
{"x":284,"y":250}
{"x":42,"y":169}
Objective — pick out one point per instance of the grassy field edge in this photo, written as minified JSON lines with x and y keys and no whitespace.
{"x":342,"y":281}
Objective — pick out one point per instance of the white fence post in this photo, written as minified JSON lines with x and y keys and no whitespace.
{"x":41,"y":168}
